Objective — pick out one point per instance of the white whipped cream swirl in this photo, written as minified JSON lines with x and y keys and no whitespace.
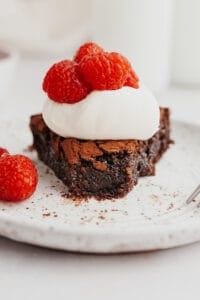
{"x":126,"y":113}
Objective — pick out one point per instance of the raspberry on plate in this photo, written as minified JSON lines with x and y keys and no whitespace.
{"x":63,"y":83}
{"x":105,"y":71}
{"x":18,"y":178}
{"x":87,"y":49}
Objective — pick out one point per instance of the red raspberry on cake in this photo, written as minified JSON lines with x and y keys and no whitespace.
{"x":132,"y":80}
{"x":105,"y":71}
{"x":87,"y":49}
{"x":3,"y":152}
{"x":92,"y":69}
{"x":18,"y":178}
{"x":63,"y":83}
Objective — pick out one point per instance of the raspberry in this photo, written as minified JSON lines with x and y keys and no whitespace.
{"x":3,"y":152}
{"x":63,"y":83}
{"x":18,"y":178}
{"x":105,"y":71}
{"x":87,"y":49}
{"x":132,"y":80}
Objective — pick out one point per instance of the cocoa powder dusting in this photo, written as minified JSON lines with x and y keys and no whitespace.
{"x":89,"y":150}
{"x":101,"y":166}
{"x":71,"y":148}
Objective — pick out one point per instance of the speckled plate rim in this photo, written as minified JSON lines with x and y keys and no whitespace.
{"x":117,"y":241}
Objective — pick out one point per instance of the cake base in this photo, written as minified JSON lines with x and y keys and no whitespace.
{"x":98,"y":168}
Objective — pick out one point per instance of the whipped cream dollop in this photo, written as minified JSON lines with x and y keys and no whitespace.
{"x":126,"y":113}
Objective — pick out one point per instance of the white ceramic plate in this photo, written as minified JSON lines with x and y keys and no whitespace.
{"x":153,"y":216}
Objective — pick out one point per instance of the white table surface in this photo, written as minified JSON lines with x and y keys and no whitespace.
{"x":28,"y":272}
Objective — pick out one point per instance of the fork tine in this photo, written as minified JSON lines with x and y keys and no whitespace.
{"x":193,"y":195}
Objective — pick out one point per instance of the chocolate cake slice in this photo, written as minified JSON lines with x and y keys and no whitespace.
{"x":104,"y":169}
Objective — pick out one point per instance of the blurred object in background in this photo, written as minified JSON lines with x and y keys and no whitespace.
{"x":186,"y":43}
{"x":44,"y":27}
{"x":141,"y":30}
{"x":160,"y":37}
{"x":8,"y":62}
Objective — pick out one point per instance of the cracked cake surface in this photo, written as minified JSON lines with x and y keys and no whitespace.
{"x":104,"y":169}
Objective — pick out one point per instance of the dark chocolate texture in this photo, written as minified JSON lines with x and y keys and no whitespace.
{"x":105,"y":169}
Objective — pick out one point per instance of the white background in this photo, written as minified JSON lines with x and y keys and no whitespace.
{"x":31,"y":273}
{"x":160,"y":37}
{"x":28,"y":272}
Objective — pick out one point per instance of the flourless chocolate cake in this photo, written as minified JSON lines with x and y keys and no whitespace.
{"x":103,"y":169}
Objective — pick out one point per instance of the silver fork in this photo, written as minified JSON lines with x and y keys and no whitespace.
{"x":194,"y":195}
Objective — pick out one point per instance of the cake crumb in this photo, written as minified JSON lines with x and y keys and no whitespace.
{"x":30,"y":148}
{"x":47,"y":171}
{"x":46,"y":214}
{"x":154,"y":197}
{"x":170,"y":206}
